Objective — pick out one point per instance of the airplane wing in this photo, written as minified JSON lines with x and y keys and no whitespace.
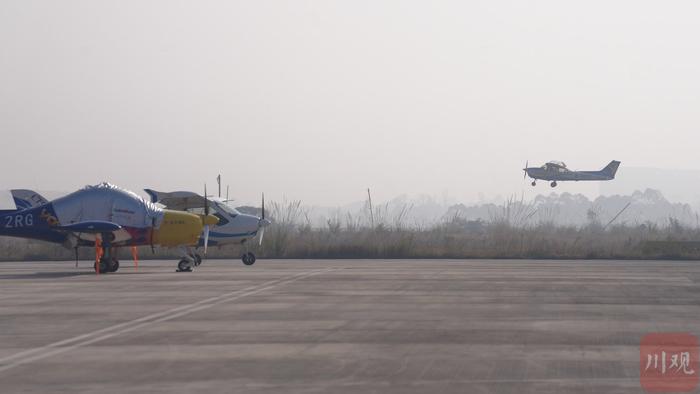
{"x":89,"y":230}
{"x":91,"y":227}
{"x":180,"y":201}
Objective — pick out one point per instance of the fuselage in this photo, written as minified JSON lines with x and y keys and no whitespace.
{"x":566,"y":175}
{"x":233,"y":227}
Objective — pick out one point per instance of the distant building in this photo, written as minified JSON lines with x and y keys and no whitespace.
{"x":676,"y":185}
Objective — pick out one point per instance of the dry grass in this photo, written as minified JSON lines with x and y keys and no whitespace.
{"x":514,"y":230}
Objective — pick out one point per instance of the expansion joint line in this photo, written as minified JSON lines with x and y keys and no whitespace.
{"x":66,"y":345}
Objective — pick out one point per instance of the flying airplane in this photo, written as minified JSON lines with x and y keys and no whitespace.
{"x":556,"y":171}
{"x":234,"y":227}
{"x":107,"y":217}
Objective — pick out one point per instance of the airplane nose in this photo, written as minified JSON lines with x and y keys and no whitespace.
{"x":178,"y":228}
{"x":264,"y":222}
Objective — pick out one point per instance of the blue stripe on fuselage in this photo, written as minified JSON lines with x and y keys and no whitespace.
{"x":227,"y":238}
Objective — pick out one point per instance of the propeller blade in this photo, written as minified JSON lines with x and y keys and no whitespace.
{"x":153,"y":230}
{"x":525,"y":170}
{"x":263,"y":205}
{"x":262,"y":234}
{"x":206,"y":239}
{"x":206,"y":202}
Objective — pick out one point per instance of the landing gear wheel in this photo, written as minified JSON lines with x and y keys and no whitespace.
{"x":184,"y":266}
{"x":553,"y":184}
{"x":102,"y":266}
{"x":248,"y":259}
{"x":197,"y":260}
{"x":114,"y":266}
{"x":534,"y":183}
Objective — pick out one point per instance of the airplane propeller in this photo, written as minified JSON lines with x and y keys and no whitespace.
{"x":525,"y":170}
{"x":262,"y":223}
{"x":206,"y":226}
{"x":153,"y":230}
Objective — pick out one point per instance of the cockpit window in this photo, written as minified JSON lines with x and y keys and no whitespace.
{"x":228,"y":209}
{"x":222,"y":219}
{"x":217,"y":206}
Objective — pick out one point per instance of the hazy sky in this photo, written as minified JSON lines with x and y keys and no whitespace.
{"x":318,"y":100}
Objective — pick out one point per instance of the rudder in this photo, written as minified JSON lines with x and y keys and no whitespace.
{"x":611,"y":169}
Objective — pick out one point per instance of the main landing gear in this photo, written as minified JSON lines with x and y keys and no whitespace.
{"x":105,"y":259}
{"x":553,"y":184}
{"x":105,"y":265}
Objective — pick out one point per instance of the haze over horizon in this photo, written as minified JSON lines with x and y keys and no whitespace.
{"x":318,"y":100}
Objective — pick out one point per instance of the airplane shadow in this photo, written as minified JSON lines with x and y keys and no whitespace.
{"x":59,"y":275}
{"x":44,"y":275}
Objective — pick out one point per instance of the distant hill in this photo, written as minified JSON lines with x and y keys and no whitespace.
{"x":649,"y":206}
{"x":676,"y":185}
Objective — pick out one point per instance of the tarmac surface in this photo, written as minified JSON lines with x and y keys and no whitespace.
{"x":342,"y":326}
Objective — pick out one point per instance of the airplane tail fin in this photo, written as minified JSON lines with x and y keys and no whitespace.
{"x":611,"y":169}
{"x":176,"y":200}
{"x":25,"y":199}
{"x":155,"y":195}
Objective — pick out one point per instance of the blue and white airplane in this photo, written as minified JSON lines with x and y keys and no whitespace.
{"x":233,"y":228}
{"x":556,"y":171}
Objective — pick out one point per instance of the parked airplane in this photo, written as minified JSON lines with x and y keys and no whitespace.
{"x":106,"y":216}
{"x":234,"y":227}
{"x":556,"y":171}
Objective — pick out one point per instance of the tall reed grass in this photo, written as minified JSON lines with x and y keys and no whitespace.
{"x":516,"y":229}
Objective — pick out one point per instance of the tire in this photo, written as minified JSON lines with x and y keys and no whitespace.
{"x":103,"y":266}
{"x":184,"y":266}
{"x":114,"y":266}
{"x":249,"y":259}
{"x":197,"y":260}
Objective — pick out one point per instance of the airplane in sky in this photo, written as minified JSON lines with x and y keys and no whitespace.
{"x":106,"y":217}
{"x":234,"y":227}
{"x":556,"y":171}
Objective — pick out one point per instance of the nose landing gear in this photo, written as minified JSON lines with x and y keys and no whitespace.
{"x":534,"y":183}
{"x":184,"y":266}
{"x":189,"y":260}
{"x":248,"y":258}
{"x":553,"y":184}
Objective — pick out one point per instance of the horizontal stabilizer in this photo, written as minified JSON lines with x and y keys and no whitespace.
{"x":91,"y":227}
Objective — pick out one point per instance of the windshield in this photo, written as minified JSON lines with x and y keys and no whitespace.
{"x":226,"y":208}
